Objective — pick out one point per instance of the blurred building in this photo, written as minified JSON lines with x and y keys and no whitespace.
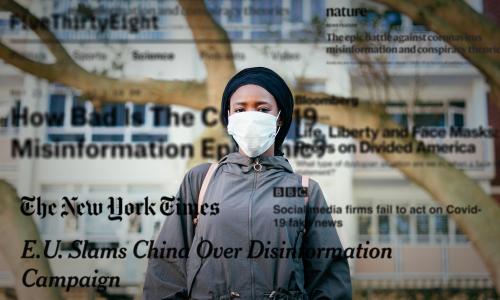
{"x":430,"y":253}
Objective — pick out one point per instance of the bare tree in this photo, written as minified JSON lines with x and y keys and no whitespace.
{"x":16,"y":229}
{"x":453,"y":20}
{"x":446,"y":184}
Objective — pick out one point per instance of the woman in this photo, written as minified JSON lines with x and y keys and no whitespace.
{"x":255,"y":246}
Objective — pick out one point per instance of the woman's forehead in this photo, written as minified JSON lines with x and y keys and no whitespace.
{"x":252,"y":93}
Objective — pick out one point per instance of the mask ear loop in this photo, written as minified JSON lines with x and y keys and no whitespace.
{"x":279,"y":127}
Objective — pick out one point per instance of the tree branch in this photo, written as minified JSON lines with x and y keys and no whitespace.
{"x":27,"y":65}
{"x":97,"y":87}
{"x":211,"y":40}
{"x":445,"y":183}
{"x":16,"y":229}
{"x":447,"y":18}
{"x":93,"y":86}
{"x":38,"y":27}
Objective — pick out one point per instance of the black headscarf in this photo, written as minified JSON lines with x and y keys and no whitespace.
{"x":275,"y":85}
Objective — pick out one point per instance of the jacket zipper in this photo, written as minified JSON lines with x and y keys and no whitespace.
{"x":257,"y":167}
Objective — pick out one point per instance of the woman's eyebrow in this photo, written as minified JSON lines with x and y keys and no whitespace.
{"x":258,"y":102}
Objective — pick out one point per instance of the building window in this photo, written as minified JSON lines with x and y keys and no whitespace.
{"x":107,"y":138}
{"x":376,"y":22}
{"x":235,"y":35}
{"x":213,"y":6}
{"x":71,"y":222}
{"x":384,"y":229}
{"x":269,"y":19}
{"x":460,"y":237}
{"x":115,"y":110}
{"x":100,"y":8}
{"x":392,"y":20}
{"x":266,"y":7}
{"x":429,"y":120}
{"x":417,"y":27}
{"x":365,"y":227}
{"x":428,"y":114}
{"x":296,"y":11}
{"x":135,"y":224}
{"x":266,"y":35}
{"x":8,"y":126}
{"x":409,"y":229}
{"x":79,"y":121}
{"x":318,"y":10}
{"x":441,"y":228}
{"x":57,"y":104}
{"x":422,"y":230}
{"x":49,"y":224}
{"x":98,"y":228}
{"x":314,"y":85}
{"x":236,"y":9}
{"x":456,"y":113}
{"x":403,"y":228}
{"x":65,"y":137}
{"x":370,"y":21}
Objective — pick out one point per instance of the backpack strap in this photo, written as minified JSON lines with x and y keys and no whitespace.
{"x":305,"y":185}
{"x":203,"y":189}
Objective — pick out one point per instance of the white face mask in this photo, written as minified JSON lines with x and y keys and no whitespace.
{"x":254,"y":131}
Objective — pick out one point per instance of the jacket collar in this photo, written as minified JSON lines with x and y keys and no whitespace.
{"x":247,"y":163}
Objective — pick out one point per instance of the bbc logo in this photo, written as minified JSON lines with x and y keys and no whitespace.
{"x":290,"y":191}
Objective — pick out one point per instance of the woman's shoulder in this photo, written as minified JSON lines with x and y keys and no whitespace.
{"x":299,"y":177}
{"x":312,"y":185}
{"x":201,"y":168}
{"x":198,"y":172}
{"x":193,"y":178}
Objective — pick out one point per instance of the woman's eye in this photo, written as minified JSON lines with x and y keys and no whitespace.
{"x":264,"y":109}
{"x":239,"y":110}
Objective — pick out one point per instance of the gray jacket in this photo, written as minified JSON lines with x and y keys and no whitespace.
{"x":250,"y":247}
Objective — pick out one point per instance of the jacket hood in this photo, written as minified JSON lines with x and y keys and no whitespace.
{"x":246,"y":223}
{"x":246,"y":163}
